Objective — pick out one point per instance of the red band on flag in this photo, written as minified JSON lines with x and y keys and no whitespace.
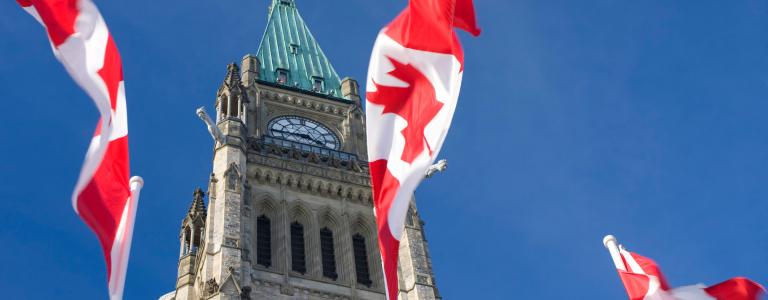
{"x":386,"y":186}
{"x":738,"y":288}
{"x":58,"y":16}
{"x":102,"y":201}
{"x":112,"y":71}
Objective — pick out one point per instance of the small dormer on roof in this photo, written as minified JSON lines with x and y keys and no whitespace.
{"x":290,"y":55}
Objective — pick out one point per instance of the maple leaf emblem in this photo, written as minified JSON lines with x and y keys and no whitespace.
{"x":416,"y":103}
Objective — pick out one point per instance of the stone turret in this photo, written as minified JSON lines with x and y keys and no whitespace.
{"x":250,"y":70}
{"x":191,"y":238}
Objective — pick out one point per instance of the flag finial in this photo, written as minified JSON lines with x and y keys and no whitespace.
{"x":608,"y":239}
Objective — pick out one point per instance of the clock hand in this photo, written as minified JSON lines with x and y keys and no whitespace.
{"x":303,"y":136}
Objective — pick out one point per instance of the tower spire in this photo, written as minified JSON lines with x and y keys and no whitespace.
{"x":232,"y":79}
{"x":290,"y":55}
{"x":198,"y":205}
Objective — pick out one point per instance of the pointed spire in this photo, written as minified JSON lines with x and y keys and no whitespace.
{"x":198,"y":206}
{"x":233,"y":75}
{"x":289,"y":54}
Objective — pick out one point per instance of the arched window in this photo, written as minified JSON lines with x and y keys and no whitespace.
{"x":263,"y":241}
{"x":186,"y":245}
{"x":328,"y":254}
{"x":298,"y":259}
{"x":234,"y":105}
{"x":361,"y":260}
{"x":223,"y":107}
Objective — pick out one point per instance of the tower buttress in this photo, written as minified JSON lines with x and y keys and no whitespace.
{"x":250,"y":70}
{"x":222,"y":264}
{"x":354,"y":122}
{"x":417,"y":280}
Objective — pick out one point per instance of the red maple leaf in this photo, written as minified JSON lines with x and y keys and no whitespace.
{"x":416,"y":103}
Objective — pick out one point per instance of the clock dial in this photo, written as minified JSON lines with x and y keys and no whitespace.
{"x":303,"y":130}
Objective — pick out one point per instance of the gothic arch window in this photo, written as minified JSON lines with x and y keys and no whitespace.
{"x":223,"y":106}
{"x":234,"y":106}
{"x":298,"y":253}
{"x":328,"y":253}
{"x":264,"y":241}
{"x":186,"y":245}
{"x":360,"y":251}
{"x":195,"y":240}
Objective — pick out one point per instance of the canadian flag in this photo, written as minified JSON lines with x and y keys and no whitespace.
{"x":643,"y":280}
{"x":104,"y":196}
{"x":412,"y":88}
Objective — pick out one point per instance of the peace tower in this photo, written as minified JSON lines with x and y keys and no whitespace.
{"x":290,"y":213}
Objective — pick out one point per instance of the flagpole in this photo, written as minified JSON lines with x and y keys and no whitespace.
{"x":121,"y":250}
{"x":610,"y":242}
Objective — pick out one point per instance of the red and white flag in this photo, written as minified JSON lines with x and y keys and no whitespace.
{"x":104,"y":197}
{"x":643,"y":280}
{"x":412,"y":89}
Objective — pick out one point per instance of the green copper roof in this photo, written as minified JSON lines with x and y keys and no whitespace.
{"x":289,"y":47}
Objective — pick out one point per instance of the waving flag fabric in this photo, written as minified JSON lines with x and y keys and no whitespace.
{"x":413,"y":86}
{"x":643,"y":280}
{"x":104,"y":197}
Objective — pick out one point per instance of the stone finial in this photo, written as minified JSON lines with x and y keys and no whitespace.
{"x":233,"y":75}
{"x":198,"y":205}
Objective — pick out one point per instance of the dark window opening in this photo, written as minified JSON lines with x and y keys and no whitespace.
{"x":298,"y":259}
{"x":234,"y":106}
{"x":361,"y":260}
{"x":282,"y":76}
{"x":328,"y":254}
{"x":317,"y":85}
{"x":263,"y":241}
{"x":224,"y":104}
{"x":294,"y":48}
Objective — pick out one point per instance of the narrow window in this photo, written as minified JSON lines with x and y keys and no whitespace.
{"x":224,"y":104}
{"x":233,"y":106}
{"x":298,"y":262}
{"x":328,"y":254}
{"x":282,"y":76}
{"x":294,"y":48}
{"x":361,"y":260}
{"x":263,"y":241}
{"x":317,"y":85}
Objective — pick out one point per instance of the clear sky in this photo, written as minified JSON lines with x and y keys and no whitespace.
{"x":645,"y":119}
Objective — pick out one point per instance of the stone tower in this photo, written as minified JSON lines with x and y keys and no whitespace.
{"x":290,"y":213}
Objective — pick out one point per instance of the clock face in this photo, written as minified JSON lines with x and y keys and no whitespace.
{"x":303,"y":130}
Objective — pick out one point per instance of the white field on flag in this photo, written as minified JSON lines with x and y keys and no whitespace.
{"x":643,"y":280}
{"x":443,"y":72}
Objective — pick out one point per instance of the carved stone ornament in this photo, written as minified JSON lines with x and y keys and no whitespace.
{"x":211,"y":287}
{"x":232,"y":176}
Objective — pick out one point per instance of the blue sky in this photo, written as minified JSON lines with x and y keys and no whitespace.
{"x":645,"y":119}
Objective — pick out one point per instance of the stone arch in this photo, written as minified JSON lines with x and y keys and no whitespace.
{"x":290,"y":181}
{"x":223,"y":108}
{"x":257,"y":174}
{"x":327,"y":217}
